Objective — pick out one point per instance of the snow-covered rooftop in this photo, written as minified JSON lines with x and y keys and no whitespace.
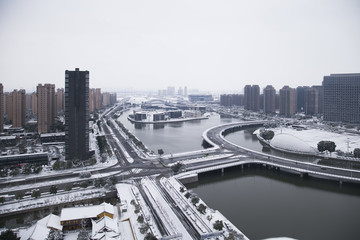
{"x":41,"y":229}
{"x":289,"y":142}
{"x":85,"y":212}
{"x":103,"y":225}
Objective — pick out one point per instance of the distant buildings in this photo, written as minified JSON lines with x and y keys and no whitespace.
{"x":46,"y":106}
{"x":106,"y":99}
{"x":201,"y":98}
{"x":288,"y":101}
{"x":1,"y":108}
{"x":252,"y":97}
{"x":342,"y":98}
{"x":231,"y":100}
{"x":76,"y":114}
{"x":97,"y":100}
{"x":171,"y":91}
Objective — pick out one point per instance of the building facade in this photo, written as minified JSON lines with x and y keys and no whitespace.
{"x":34,"y":103}
{"x":320,"y":90}
{"x":288,"y":101}
{"x":300,"y":92}
{"x":76,"y":114}
{"x":200,"y":98}
{"x":342,"y":98}
{"x":60,"y":100}
{"x":46,"y":107}
{"x":1,"y":108}
{"x":311,"y":101}
{"x":252,"y":97}
{"x":18,"y":103}
{"x":269,"y":94}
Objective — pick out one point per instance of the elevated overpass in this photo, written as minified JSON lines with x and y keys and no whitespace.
{"x":215,"y":136}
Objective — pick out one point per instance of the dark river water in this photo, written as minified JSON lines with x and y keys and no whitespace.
{"x":260,"y":202}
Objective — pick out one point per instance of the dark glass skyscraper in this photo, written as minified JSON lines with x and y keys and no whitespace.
{"x":76,"y":115}
{"x":342,"y":98}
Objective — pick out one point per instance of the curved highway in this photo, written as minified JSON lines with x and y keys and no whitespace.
{"x":215,"y":137}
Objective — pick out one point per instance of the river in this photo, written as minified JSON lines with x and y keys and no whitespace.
{"x":260,"y":202}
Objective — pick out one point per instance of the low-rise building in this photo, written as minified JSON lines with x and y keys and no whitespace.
{"x":77,"y":217}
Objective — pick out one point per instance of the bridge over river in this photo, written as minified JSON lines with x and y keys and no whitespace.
{"x":215,"y":136}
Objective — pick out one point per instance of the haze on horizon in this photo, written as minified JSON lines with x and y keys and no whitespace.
{"x":149,"y":45}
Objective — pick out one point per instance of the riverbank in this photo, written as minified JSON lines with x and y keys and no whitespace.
{"x":167,"y":121}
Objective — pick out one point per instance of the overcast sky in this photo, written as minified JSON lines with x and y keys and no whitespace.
{"x":149,"y":45}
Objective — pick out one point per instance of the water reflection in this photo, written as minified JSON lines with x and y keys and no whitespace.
{"x":265,"y":203}
{"x":159,"y":126}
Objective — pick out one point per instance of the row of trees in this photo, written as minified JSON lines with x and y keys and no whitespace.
{"x":218,"y":225}
{"x":25,"y":169}
{"x":107,"y":183}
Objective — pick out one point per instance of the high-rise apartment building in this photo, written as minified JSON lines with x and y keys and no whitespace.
{"x":34,"y":103}
{"x":106,"y":99}
{"x":9,"y":106}
{"x":46,"y":107}
{"x":76,"y":114}
{"x":311,"y":101}
{"x":342,"y":98}
{"x":18,"y":108}
{"x":300,"y":92}
{"x":95,"y":99}
{"x":92,"y":100}
{"x":252,"y":97}
{"x":269,"y":95}
{"x":60,"y":100}
{"x":28,"y":102}
{"x":226,"y":100}
{"x":320,"y":90}
{"x":288,"y":101}
{"x":231,"y":99}
{"x":98,"y":98}
{"x":185,"y":91}
{"x":1,"y":108}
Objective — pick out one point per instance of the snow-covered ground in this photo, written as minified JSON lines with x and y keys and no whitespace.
{"x":52,"y":200}
{"x":311,"y":137}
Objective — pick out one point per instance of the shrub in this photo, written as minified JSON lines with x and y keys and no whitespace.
{"x":84,"y":184}
{"x":195,"y":200}
{"x":140,"y":219}
{"x":201,"y":208}
{"x":85,"y":174}
{"x":53,"y":189}
{"x":8,"y":235}
{"x":19,"y":195}
{"x":267,"y":134}
{"x":357,"y":152}
{"x":68,"y":187}
{"x":35,"y":193}
{"x":218,"y":225}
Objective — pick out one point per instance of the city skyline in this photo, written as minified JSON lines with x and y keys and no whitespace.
{"x":204,"y":45}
